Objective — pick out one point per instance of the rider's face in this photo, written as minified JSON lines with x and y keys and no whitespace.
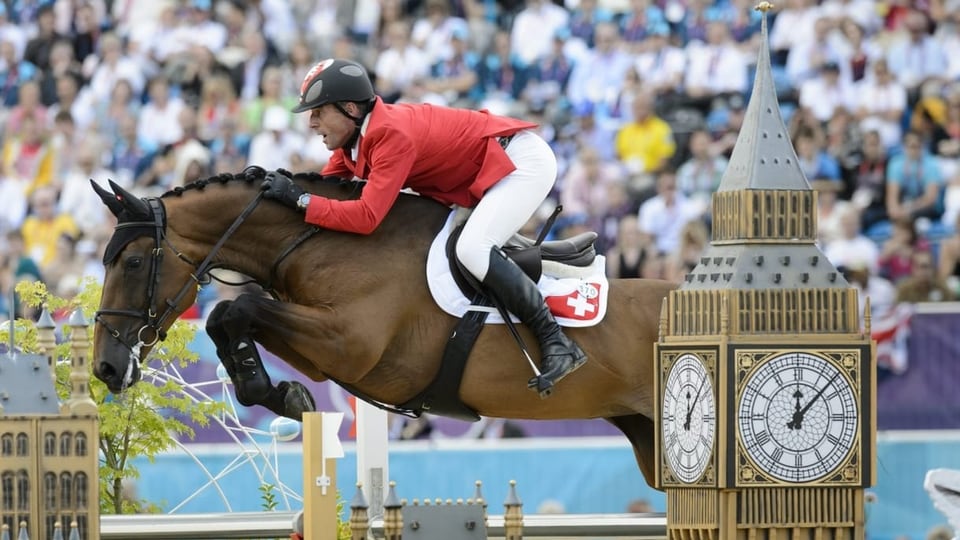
{"x":335,"y":128}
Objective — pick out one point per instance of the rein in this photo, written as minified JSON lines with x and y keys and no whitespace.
{"x":153,"y":322}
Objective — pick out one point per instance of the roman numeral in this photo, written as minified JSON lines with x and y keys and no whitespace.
{"x":833,"y":438}
{"x":763,"y":438}
{"x":777,"y":453}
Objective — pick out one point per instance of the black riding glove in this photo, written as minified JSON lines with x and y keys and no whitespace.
{"x":280,"y":187}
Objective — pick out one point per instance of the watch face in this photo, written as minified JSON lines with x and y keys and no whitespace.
{"x":797,"y":417}
{"x":688,"y":418}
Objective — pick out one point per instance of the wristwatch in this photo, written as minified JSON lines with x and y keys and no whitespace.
{"x":303,"y":201}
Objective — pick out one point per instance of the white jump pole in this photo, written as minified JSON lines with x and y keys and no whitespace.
{"x":372,"y":471}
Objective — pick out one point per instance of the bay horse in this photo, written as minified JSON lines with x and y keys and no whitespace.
{"x":354,"y":309}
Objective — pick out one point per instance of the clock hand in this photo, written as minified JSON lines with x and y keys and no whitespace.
{"x":686,"y":423}
{"x":797,"y":421}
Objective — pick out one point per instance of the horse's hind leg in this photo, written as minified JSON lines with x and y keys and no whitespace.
{"x":229,"y":326}
{"x":640,"y":431}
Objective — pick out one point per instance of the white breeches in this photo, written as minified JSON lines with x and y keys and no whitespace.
{"x":510,"y":203}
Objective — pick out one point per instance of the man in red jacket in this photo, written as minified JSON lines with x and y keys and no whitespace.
{"x":498,"y":166}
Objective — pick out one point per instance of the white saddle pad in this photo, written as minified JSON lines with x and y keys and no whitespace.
{"x":574,"y":301}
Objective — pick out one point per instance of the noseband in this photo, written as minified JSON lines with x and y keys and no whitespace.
{"x":152,"y":330}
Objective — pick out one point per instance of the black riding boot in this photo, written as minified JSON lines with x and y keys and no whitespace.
{"x":516,"y":292}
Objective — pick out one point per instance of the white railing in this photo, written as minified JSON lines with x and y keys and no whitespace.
{"x":251,"y":525}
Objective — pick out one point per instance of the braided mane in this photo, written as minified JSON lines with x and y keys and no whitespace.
{"x":253,"y":174}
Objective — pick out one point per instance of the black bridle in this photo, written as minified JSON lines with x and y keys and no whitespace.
{"x":152,"y":320}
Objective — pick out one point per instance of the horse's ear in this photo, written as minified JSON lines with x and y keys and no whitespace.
{"x":108,"y":198}
{"x":130,"y":202}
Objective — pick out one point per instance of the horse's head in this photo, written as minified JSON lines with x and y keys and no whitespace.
{"x":146,"y":287}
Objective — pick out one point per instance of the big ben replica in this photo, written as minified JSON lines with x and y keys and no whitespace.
{"x":766,"y":417}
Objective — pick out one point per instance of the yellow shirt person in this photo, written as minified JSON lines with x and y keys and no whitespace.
{"x":646,"y":143}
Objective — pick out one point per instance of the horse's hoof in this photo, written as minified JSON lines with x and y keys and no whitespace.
{"x":296,"y":400}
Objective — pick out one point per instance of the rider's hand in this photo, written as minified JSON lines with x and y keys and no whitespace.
{"x":280,"y":187}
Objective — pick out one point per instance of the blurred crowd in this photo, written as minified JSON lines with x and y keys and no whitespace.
{"x":642,"y":101}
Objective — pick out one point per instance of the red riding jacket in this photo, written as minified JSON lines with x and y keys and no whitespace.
{"x":450,"y":155}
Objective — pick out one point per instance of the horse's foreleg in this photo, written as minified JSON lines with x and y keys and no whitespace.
{"x":640,"y":431}
{"x":230,"y":326}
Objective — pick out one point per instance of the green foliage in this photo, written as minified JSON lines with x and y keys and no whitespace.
{"x":268,"y":497}
{"x":143,"y":421}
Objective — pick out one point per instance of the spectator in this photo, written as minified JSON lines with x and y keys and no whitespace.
{"x":112,"y":67}
{"x":808,"y":58}
{"x":694,"y":239}
{"x":74,"y":101}
{"x":277,"y":146}
{"x":827,"y":93}
{"x":400,"y":63}
{"x":65,"y":270}
{"x":271,"y":88}
{"x":456,"y":77}
{"x":897,"y":252}
{"x":584,"y":19}
{"x":17,"y":266}
{"x":28,"y":160}
{"x":76,"y":198}
{"x":700,"y":175}
{"x":793,"y":27}
{"x":435,"y":32}
{"x":646,"y":143}
{"x":882,"y":293}
{"x":914,"y":185}
{"x":218,"y":102}
{"x":598,"y":76}
{"x":923,"y":284}
{"x":28,"y":105}
{"x":661,"y":65}
{"x":637,"y":23}
{"x":831,"y":210}
{"x":61,"y":62}
{"x":880,"y":103}
{"x":815,"y":162}
{"x":38,"y":49}
{"x":43,"y":227}
{"x":715,"y":68}
{"x":159,"y":123}
{"x":858,"y":52}
{"x":663,"y":216}
{"x":948,"y":266}
{"x":917,"y":57}
{"x":627,"y":255}
{"x":869,"y":181}
{"x":550,"y":74}
{"x":503,"y":76}
{"x":535,"y":27}
{"x":248,"y":76}
{"x":585,"y":184}
{"x":850,"y":248}
{"x":129,"y":155}
{"x":108,"y":116}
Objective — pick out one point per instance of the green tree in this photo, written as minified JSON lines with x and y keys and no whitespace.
{"x":141,"y":422}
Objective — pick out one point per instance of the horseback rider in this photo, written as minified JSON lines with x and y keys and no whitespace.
{"x":496,"y":165}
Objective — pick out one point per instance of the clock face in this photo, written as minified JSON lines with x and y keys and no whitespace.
{"x":688,"y":418}
{"x":798,"y":417}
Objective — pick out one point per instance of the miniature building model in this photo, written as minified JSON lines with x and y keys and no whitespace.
{"x":48,"y":451}
{"x":765,"y":380}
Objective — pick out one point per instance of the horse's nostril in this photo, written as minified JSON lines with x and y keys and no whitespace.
{"x":105,"y":371}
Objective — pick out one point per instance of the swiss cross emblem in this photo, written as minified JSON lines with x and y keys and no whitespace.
{"x":314,"y":71}
{"x":583,"y":303}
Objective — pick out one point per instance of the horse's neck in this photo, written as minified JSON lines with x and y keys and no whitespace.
{"x":197,"y":222}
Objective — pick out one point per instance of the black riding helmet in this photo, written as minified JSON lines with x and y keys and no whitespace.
{"x":336,"y":81}
{"x":332,"y":81}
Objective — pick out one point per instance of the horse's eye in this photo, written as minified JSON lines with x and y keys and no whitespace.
{"x":134,"y":262}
